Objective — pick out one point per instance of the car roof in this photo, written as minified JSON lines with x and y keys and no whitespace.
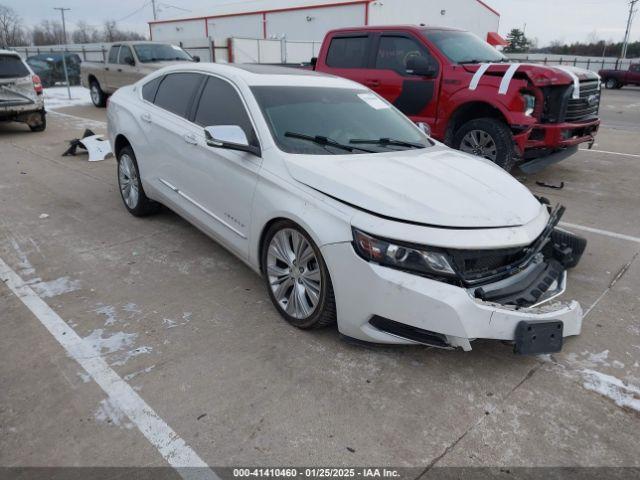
{"x":383,"y":28}
{"x":8,"y":52}
{"x":272,"y":75}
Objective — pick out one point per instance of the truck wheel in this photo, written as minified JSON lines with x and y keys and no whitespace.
{"x":489,"y":138}
{"x":611,"y":83}
{"x":98,"y":97}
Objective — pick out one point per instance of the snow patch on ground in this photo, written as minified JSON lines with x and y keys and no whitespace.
{"x":55,"y":287}
{"x":108,"y":412}
{"x":613,"y":388}
{"x":58,"y":97}
{"x":135,"y":374}
{"x":120,"y":344}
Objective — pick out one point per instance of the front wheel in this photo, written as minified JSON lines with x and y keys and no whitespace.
{"x":489,"y":138}
{"x":297,"y":277}
{"x":98,"y":97}
{"x":611,"y":83}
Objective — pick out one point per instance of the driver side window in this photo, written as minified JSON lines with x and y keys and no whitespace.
{"x":395,"y":51}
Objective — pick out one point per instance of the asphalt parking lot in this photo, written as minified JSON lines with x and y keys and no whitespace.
{"x":192,"y":334}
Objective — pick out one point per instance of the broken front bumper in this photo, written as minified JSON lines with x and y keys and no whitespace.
{"x":416,"y":309}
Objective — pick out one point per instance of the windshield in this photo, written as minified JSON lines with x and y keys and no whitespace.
{"x":335,"y":121}
{"x":464,"y":47}
{"x":160,"y":52}
{"x":11,"y":66}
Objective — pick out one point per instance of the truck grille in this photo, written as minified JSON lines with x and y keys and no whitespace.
{"x":587,"y":106}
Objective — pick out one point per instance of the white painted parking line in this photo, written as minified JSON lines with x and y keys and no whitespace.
{"x":172,"y":447}
{"x":606,"y":233}
{"x":610,"y":153}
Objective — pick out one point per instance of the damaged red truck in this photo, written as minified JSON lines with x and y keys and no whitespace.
{"x":469,"y":94}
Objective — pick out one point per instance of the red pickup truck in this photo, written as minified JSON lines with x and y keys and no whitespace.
{"x":469,"y":94}
{"x":619,"y":78}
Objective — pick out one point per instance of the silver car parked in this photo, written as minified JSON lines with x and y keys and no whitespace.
{"x":21,"y":93}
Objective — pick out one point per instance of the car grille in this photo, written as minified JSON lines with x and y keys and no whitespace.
{"x":587,"y":106}
{"x":476,"y":267}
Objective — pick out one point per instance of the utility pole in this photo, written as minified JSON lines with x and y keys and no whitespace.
{"x":627,"y":33}
{"x":155,"y":12}
{"x":64,"y":53}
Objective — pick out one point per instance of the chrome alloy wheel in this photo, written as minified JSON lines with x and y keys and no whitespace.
{"x":294,"y":273}
{"x":480,"y":143}
{"x":128,"y":179}
{"x":95,"y":94}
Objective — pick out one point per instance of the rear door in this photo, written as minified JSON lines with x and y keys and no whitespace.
{"x":415,"y":96}
{"x":165,"y":123}
{"x":16,"y":85}
{"x":108,"y":78}
{"x":633,"y":75}
{"x":126,"y":71}
{"x":348,"y":55}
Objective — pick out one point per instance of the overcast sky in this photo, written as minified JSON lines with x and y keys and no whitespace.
{"x":547,"y":20}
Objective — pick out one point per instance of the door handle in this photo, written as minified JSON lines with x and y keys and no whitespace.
{"x":190,"y":138}
{"x":146,"y":117}
{"x":106,"y":68}
{"x":119,"y":69}
{"x":372,"y":82}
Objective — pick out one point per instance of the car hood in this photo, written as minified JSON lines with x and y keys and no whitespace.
{"x":437,"y":187}
{"x":540,"y":75}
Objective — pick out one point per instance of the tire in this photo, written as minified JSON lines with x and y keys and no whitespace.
{"x":98,"y":97}
{"x":611,"y":83}
{"x":42,"y":126}
{"x":492,"y":131}
{"x":284,"y":235}
{"x":130,"y":185}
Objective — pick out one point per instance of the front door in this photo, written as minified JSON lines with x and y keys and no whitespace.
{"x":220,"y":183}
{"x":126,"y":71}
{"x":415,"y":96}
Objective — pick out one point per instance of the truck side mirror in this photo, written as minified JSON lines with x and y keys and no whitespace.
{"x":130,"y":61}
{"x":314,"y":62}
{"x":196,"y":58}
{"x":421,"y":66}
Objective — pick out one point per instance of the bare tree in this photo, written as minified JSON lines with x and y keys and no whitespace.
{"x":113,"y":34}
{"x":85,"y":33}
{"x":47,"y":33}
{"x":11,"y":31}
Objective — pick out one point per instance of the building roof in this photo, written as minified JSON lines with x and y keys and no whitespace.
{"x":266,"y":6}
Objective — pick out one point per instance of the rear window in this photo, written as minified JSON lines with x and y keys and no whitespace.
{"x":347,"y":52}
{"x":11,"y":66}
{"x":176,"y":91}
{"x":149,"y":89}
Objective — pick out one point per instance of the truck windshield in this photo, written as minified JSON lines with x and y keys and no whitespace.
{"x":160,"y":52}
{"x":464,"y":47}
{"x":12,"y":67}
{"x":335,"y":121}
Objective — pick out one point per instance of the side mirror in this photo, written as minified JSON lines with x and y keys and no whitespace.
{"x":130,"y":61}
{"x":421,"y":66}
{"x":196,"y":58}
{"x":314,"y":62}
{"x":231,"y":137}
{"x":426,"y":129}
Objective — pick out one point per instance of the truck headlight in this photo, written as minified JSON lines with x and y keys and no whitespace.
{"x":529,"y":103}
{"x":421,"y":260}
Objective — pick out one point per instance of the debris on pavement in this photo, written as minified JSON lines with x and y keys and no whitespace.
{"x":97,"y":146}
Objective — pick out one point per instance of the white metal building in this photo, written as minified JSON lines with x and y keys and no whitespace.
{"x":309,"y":20}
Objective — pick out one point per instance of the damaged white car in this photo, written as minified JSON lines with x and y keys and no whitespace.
{"x":346,"y":208}
{"x":21,"y":98}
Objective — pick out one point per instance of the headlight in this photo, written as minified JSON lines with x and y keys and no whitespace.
{"x":420,"y":260}
{"x":529,"y":103}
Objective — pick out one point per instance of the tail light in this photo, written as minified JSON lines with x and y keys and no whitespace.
{"x":37,"y":84}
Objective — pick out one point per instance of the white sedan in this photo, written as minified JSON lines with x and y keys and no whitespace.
{"x":346,"y":208}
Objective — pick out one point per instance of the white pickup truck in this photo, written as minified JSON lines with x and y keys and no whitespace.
{"x":127,"y":63}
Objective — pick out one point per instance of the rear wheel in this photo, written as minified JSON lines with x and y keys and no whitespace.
{"x":489,"y":138}
{"x":98,"y":97}
{"x":41,"y":126}
{"x":611,"y":83}
{"x":297,"y":277}
{"x":131,"y":191}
